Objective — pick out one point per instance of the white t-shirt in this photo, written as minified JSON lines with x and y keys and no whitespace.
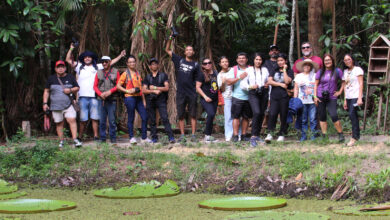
{"x":86,"y":78}
{"x":259,"y":79}
{"x":227,"y":94}
{"x":352,"y":86}
{"x":305,"y":84}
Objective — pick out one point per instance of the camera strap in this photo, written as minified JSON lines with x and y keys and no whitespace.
{"x":128,"y":74}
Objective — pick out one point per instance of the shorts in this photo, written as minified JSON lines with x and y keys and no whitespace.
{"x":89,"y":108}
{"x":184,"y":100}
{"x":241,"y":108}
{"x":58,"y":115}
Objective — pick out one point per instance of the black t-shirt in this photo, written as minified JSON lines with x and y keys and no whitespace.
{"x":209,"y":88}
{"x":271,"y":66}
{"x":186,"y":73}
{"x":149,"y":80}
{"x":278,"y":92}
{"x":58,"y":99}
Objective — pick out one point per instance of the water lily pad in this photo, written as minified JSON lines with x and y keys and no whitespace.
{"x":141,"y":190}
{"x":354,"y":210}
{"x":12,"y":195}
{"x":20,"y":206}
{"x":5,"y":187}
{"x":266,"y":215}
{"x":243,"y":203}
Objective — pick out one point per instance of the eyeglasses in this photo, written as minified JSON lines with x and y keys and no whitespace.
{"x":105,"y":61}
{"x":307,"y":47}
{"x":206,"y":63}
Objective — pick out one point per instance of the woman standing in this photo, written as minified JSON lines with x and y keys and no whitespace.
{"x":353,"y":77}
{"x":256,"y":83}
{"x":280,"y":80}
{"x":325,"y":94}
{"x":304,"y":90}
{"x":134,"y":99}
{"x":207,"y":87}
{"x":227,"y":96}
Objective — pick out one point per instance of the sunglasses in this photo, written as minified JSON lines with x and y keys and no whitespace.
{"x":207,"y":63}
{"x":306,"y":47}
{"x":105,"y":61}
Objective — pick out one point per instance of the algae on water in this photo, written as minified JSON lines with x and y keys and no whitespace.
{"x":243,"y":203}
{"x":266,"y":215}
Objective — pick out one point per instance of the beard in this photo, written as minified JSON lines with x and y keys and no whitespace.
{"x":306,"y":53}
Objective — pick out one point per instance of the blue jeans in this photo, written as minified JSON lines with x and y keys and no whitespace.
{"x":133,"y":103}
{"x":353,"y":116}
{"x":309,"y":114}
{"x":210,"y":108}
{"x":107,"y":108}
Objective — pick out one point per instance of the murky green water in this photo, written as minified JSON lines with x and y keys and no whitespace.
{"x":183,"y":206}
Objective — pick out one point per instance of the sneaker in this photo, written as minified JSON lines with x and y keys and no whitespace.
{"x":235,"y":138}
{"x":341,"y":138}
{"x":96,"y":139}
{"x":209,"y":139}
{"x":154,"y":140}
{"x":280,"y":139}
{"x":77,"y":143}
{"x":61,"y":144}
{"x":182,"y":138}
{"x":133,"y":140}
{"x":172,"y":140}
{"x":253,"y":142}
{"x":258,"y":139}
{"x":268,"y":139}
{"x":113,"y":140}
{"x":228,"y":139}
{"x":193,"y":138}
{"x":147,"y":141}
{"x":245,"y":137}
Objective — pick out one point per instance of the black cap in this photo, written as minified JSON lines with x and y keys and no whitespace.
{"x":273,"y":46}
{"x":153,"y":60}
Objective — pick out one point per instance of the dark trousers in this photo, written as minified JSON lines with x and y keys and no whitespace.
{"x":278,"y":107}
{"x":151,"y":107}
{"x":211,"y":109}
{"x":258,"y":105}
{"x":107,"y":108}
{"x":331,"y":106}
{"x":132,"y":103}
{"x":353,"y":116}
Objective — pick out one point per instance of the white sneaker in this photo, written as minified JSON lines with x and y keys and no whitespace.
{"x":209,"y":139}
{"x":280,"y":139}
{"x":268,"y":139}
{"x":147,"y":141}
{"x":133,"y":140}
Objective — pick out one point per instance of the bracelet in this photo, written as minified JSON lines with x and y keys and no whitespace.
{"x":71,"y":48}
{"x":315,"y":96}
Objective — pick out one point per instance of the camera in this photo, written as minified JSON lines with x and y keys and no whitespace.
{"x":137,"y":90}
{"x":47,"y":112}
{"x":75,"y":42}
{"x":174,"y":32}
{"x":259,"y":91}
{"x":325,"y":95}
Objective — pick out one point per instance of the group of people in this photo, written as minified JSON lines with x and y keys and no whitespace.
{"x":310,"y":90}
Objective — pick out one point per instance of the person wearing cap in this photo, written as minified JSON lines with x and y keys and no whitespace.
{"x":86,"y":69}
{"x":307,"y":52}
{"x":271,"y":64}
{"x":61,"y":102}
{"x":155,"y":88}
{"x":304,"y":90}
{"x":105,"y":89}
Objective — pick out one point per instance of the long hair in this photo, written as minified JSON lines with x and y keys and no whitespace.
{"x":206,"y":74}
{"x":322,"y":71}
{"x":284,"y":56}
{"x":353,"y":61}
{"x":261,"y":55}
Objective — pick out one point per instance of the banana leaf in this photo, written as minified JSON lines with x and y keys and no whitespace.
{"x":266,"y":215}
{"x":355,"y":210}
{"x":141,"y":190}
{"x":5,"y":187}
{"x":243,"y":203}
{"x":12,"y":195}
{"x":22,"y":206}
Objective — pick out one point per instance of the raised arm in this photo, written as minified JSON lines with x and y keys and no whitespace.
{"x":168,"y":48}
{"x":116,"y":59}
{"x":68,"y":58}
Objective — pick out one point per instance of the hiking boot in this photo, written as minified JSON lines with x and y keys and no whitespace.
{"x":133,"y":140}
{"x":245,"y":137}
{"x":193,"y":138}
{"x":280,"y":139}
{"x":341,"y":138}
{"x":235,"y":138}
{"x":253,"y":142}
{"x":182,"y":138}
{"x":77,"y":143}
{"x":172,"y":140}
{"x":61,"y":144}
{"x":268,"y":139}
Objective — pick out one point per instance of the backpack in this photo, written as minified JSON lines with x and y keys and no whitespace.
{"x":160,"y":78}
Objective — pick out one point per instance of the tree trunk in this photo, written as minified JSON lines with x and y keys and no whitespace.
{"x":298,"y":31}
{"x":334,"y":51}
{"x":291,"y":48}
{"x":104,"y":36}
{"x":315,"y":29}
{"x":88,"y":22}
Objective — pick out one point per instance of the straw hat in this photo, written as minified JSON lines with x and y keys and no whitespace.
{"x":307,"y":61}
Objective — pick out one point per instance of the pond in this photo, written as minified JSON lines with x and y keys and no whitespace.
{"x":183,"y":206}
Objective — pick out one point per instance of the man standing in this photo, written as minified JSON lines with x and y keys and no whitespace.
{"x":105,"y":88}
{"x":240,"y":103}
{"x":59,"y":87}
{"x":271,"y":63}
{"x":86,"y":69}
{"x":186,"y":72}
{"x":155,"y":87}
{"x":307,"y":52}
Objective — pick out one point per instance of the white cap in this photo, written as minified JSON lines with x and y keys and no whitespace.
{"x":105,"y":58}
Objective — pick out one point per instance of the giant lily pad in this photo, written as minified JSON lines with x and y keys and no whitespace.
{"x":243,"y":203}
{"x":141,"y":190}
{"x":12,"y":195}
{"x":354,"y":210}
{"x":266,"y":215}
{"x":5,"y":187}
{"x":20,"y":206}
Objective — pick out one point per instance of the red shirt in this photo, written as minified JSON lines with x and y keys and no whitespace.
{"x":313,"y":58}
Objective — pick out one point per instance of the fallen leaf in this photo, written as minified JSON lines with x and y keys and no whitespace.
{"x":299,"y":177}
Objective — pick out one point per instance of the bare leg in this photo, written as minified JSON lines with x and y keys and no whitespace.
{"x":193,"y":125}
{"x":181,"y":126}
{"x":338,"y":127}
{"x":236,"y":126}
{"x":60,"y":130}
{"x":73,"y":127}
{"x":324,"y":127}
{"x":95,"y":128}
{"x":245,"y":124}
{"x":82,"y":127}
